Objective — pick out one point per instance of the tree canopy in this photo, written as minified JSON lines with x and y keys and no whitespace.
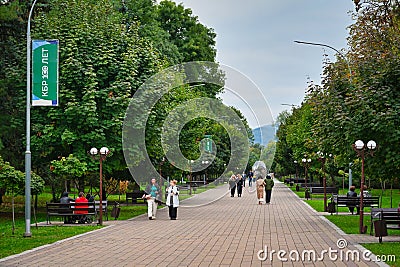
{"x":107,"y":50}
{"x":363,"y":104}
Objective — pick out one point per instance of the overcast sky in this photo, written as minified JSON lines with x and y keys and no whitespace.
{"x":256,"y":38}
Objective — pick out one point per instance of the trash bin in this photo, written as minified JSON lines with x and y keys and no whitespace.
{"x":297,"y":188}
{"x":115,"y":211}
{"x":380,"y":229}
{"x":331,"y":207}
{"x":307,"y":194}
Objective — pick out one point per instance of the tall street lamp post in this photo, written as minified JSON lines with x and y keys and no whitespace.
{"x":363,"y":150}
{"x":297,"y":173}
{"x":104,"y":152}
{"x":322,"y":158}
{"x":330,"y":47}
{"x":28,"y":154}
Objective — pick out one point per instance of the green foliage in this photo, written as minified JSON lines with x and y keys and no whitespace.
{"x":195,"y":42}
{"x":13,"y":181}
{"x":107,"y":50}
{"x":363,"y":104}
{"x":69,"y":166}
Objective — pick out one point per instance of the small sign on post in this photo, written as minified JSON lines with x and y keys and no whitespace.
{"x":208,"y":144}
{"x":45,"y":73}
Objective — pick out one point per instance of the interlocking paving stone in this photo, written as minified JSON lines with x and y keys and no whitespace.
{"x":226,"y":232}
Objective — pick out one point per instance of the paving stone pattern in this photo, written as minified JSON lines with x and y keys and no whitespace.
{"x":227,"y":232}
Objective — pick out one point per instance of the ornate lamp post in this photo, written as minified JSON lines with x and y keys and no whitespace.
{"x":363,"y":150}
{"x":306,"y":164}
{"x":297,"y":173}
{"x":322,"y":158}
{"x":104,"y":151}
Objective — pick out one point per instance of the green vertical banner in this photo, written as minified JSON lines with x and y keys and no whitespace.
{"x":45,"y":73}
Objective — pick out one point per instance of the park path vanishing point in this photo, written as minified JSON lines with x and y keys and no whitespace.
{"x":226,"y":232}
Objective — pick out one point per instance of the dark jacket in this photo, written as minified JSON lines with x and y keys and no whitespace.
{"x":65,"y":199}
{"x":269,"y":183}
{"x":351,"y":194}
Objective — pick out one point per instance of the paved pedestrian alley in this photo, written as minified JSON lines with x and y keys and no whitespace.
{"x":226,"y":232}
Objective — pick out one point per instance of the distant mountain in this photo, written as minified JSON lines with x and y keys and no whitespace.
{"x":264,"y":134}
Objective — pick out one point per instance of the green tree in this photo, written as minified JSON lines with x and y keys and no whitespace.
{"x":12,"y":181}
{"x":66,"y":170}
{"x":194,"y":41}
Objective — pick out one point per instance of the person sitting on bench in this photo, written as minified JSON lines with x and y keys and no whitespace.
{"x":82,"y":199}
{"x":352,"y":193}
{"x":65,"y":199}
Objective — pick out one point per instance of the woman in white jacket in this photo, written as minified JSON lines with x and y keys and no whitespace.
{"x":172,"y":199}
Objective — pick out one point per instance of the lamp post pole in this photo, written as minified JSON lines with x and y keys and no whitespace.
{"x":306,"y":164}
{"x":161,"y":163}
{"x":361,"y":149}
{"x":101,"y":193}
{"x":322,"y":159}
{"x":190,"y":177}
{"x":297,"y":173}
{"x":104,"y":152}
{"x":205,"y":162}
{"x":28,"y":154}
{"x":328,"y":46}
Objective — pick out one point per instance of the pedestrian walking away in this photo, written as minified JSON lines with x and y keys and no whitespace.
{"x":250,"y":178}
{"x":232,"y":185}
{"x":269,"y":183}
{"x":172,"y":200}
{"x":239,"y":184}
{"x":153,"y":196}
{"x":260,"y":189}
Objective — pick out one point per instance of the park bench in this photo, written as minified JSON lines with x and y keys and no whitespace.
{"x":309,"y":185}
{"x":134,"y":196}
{"x":68,"y":210}
{"x":344,"y":201}
{"x":320,"y":190}
{"x":383,"y":219}
{"x":295,"y":181}
{"x":184,"y":188}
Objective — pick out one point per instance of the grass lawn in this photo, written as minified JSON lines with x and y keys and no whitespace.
{"x":386,"y":251}
{"x":14,"y":243}
{"x":350,"y":223}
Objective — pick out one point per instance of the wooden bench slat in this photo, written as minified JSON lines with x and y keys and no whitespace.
{"x":320,"y":190}
{"x":134,"y":196}
{"x":69,"y":209}
{"x":344,"y":201}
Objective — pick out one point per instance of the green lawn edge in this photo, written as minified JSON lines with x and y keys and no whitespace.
{"x":349,"y":224}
